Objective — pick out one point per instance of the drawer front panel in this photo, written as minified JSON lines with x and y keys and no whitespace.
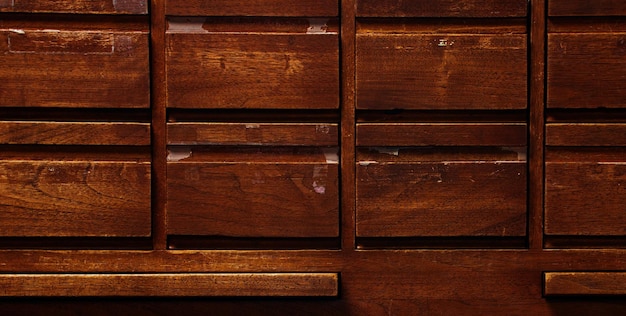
{"x":74,"y":199}
{"x":585,"y":198}
{"x":425,"y":71}
{"x":253,"y":8}
{"x":79,"y":69}
{"x":76,"y":6}
{"x":252,"y":71}
{"x":442,"y":8}
{"x":74,"y":133}
{"x":253,"y":199}
{"x":586,"y":8}
{"x":586,"y":70}
{"x":441,"y":199}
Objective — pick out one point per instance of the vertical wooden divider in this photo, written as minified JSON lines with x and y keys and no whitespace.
{"x":159,"y":144}
{"x":536,"y":123}
{"x":348,"y":124}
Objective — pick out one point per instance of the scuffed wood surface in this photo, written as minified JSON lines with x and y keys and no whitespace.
{"x":586,"y":8}
{"x":585,"y":134}
{"x":74,"y":133}
{"x":76,"y":6}
{"x":442,"y":8}
{"x":252,"y":8}
{"x":77,"y":68}
{"x":426,"y":71}
{"x":72,"y":199}
{"x":584,"y":283}
{"x":170,"y":285}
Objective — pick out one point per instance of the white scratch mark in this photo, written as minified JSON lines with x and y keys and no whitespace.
{"x":18,"y":31}
{"x":332,"y":157}
{"x":252,"y":126}
{"x":178,"y":153}
{"x":395,"y":151}
{"x":367,"y":162}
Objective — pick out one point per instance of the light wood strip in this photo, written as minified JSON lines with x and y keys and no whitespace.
{"x":584,"y":283}
{"x":74,"y":133}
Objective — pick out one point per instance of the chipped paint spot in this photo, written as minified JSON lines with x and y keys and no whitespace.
{"x":252,"y":126}
{"x":367,"y":162}
{"x":186,"y":25}
{"x":322,"y":129}
{"x":319,"y":189}
{"x":317,"y":26}
{"x":394,"y":151}
{"x":332,"y":155}
{"x":17,"y":31}
{"x":521,"y":152}
{"x":175,"y":154}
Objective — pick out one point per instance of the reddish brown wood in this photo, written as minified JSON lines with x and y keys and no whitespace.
{"x":109,"y":69}
{"x":425,"y":71}
{"x":586,"y":70}
{"x":585,"y":198}
{"x":584,"y":283}
{"x":285,"y":134}
{"x":441,"y":134}
{"x":272,"y":198}
{"x":66,"y":198}
{"x":576,"y":134}
{"x":172,"y":285}
{"x":454,"y":198}
{"x":242,"y":70}
{"x":586,"y":8}
{"x":442,"y":8}
{"x":74,"y":133}
{"x":253,"y":8}
{"x":76,"y":6}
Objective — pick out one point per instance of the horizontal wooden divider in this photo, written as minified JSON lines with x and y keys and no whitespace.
{"x":584,"y":283}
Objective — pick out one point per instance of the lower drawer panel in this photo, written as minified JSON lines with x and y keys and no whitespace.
{"x":74,"y":199}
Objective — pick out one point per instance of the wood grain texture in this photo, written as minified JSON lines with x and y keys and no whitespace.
{"x":78,"y":69}
{"x":252,"y":8}
{"x":285,"y":134}
{"x":169,"y":285}
{"x":426,"y":71}
{"x":442,"y":8}
{"x":76,"y":6}
{"x":586,"y":70}
{"x":269,"y":199}
{"x":586,"y":8}
{"x":74,"y":133}
{"x":72,"y":199}
{"x":584,"y":134}
{"x":261,"y":71}
{"x":442,"y":134}
{"x":441,"y":199}
{"x":585,"y":198}
{"x":584,"y":283}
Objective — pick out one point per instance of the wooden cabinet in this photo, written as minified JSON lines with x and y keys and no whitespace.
{"x":351,"y":157}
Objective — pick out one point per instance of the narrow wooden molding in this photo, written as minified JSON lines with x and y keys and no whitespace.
{"x":584,"y":283}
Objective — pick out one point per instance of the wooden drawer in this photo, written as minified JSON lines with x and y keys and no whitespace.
{"x":253,"y":192}
{"x":255,"y":8}
{"x":76,"y":6}
{"x":252,"y":64}
{"x":584,"y":283}
{"x":440,"y":71}
{"x":63,"y":198}
{"x":586,"y":70}
{"x":74,"y":68}
{"x":420,"y":193}
{"x":586,"y":8}
{"x":442,"y":8}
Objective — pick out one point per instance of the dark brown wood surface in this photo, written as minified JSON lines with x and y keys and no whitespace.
{"x":172,"y":285}
{"x":247,"y":70}
{"x":252,"y":8}
{"x":267,"y":198}
{"x":586,"y":8}
{"x":76,"y":6}
{"x":586,"y":70}
{"x":442,"y":8}
{"x":441,"y":134}
{"x":74,"y":133}
{"x":283,"y":134}
{"x":585,"y":134}
{"x":585,"y":198}
{"x":73,"y":198}
{"x":584,"y":283}
{"x":77,"y":69}
{"x":443,"y":71}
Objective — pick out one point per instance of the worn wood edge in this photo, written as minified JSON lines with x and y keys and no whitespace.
{"x":170,"y":285}
{"x":584,"y":283}
{"x":99,"y":133}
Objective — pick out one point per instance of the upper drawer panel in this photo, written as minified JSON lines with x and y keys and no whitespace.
{"x":244,"y":64}
{"x":586,"y":7}
{"x":76,"y":6}
{"x":442,"y":8}
{"x":441,"y":71}
{"x":253,"y":8}
{"x":586,"y":70}
{"x":74,"y":68}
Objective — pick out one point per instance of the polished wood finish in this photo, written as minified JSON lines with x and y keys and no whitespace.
{"x":314,"y":8}
{"x":584,"y":283}
{"x":76,"y":6}
{"x":171,"y":285}
{"x":442,"y":8}
{"x":73,"y":198}
{"x":586,"y":8}
{"x":74,"y":133}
